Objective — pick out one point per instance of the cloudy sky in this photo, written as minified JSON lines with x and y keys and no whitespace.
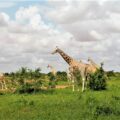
{"x":30,"y":30}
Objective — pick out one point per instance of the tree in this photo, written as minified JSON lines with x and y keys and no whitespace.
{"x":110,"y":73}
{"x":61,"y":76}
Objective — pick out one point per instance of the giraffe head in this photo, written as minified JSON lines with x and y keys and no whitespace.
{"x":48,"y":66}
{"x":56,"y":50}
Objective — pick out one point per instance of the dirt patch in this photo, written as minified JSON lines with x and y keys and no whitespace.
{"x":62,"y":86}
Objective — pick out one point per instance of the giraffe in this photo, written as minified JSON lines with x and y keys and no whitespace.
{"x":53,"y":71}
{"x":73,"y":65}
{"x":92,"y":67}
{"x":93,"y":63}
{"x":2,"y":81}
{"x":52,"y":81}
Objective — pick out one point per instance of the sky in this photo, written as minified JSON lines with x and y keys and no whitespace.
{"x":31,"y":29}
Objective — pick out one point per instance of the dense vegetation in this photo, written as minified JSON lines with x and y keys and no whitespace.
{"x":59,"y":104}
{"x":97,"y":81}
{"x":27,"y":80}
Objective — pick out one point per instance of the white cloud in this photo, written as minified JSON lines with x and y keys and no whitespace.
{"x":29,"y":16}
{"x":96,"y":35}
{"x":94,"y":25}
{"x":81,"y":28}
{"x":4,"y":18}
{"x":28,"y":43}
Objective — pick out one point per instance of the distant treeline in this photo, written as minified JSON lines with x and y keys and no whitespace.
{"x":112,"y":73}
{"x":36,"y":73}
{"x":27,"y":73}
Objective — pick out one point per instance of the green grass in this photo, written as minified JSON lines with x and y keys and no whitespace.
{"x":63,"y":104}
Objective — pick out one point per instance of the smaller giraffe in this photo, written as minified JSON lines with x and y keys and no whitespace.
{"x":52,"y":81}
{"x":2,"y":81}
{"x":93,"y":63}
{"x":92,"y":67}
{"x":53,"y":71}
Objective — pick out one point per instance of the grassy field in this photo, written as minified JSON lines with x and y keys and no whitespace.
{"x":63,"y":104}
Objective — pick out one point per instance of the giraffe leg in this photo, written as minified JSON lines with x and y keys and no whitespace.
{"x":0,"y":85}
{"x":83,"y":84}
{"x":73,"y":88}
{"x":73,"y":82}
{"x":86,"y":82}
{"x":73,"y":85}
{"x":78,"y":89}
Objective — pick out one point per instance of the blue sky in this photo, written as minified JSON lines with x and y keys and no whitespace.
{"x":14,"y":5}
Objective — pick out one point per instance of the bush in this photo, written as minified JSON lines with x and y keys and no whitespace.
{"x":103,"y":110}
{"x":26,"y":88}
{"x":106,"y":110}
{"x":98,"y":80}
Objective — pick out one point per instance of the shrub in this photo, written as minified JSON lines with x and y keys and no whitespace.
{"x":98,"y":80}
{"x":26,"y":88}
{"x":1,"y":93}
{"x":103,"y":110}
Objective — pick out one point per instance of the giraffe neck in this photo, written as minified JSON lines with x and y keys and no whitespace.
{"x":66,"y":57}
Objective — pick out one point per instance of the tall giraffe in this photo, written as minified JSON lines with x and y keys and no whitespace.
{"x":73,"y":65}
{"x":2,"y":81}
